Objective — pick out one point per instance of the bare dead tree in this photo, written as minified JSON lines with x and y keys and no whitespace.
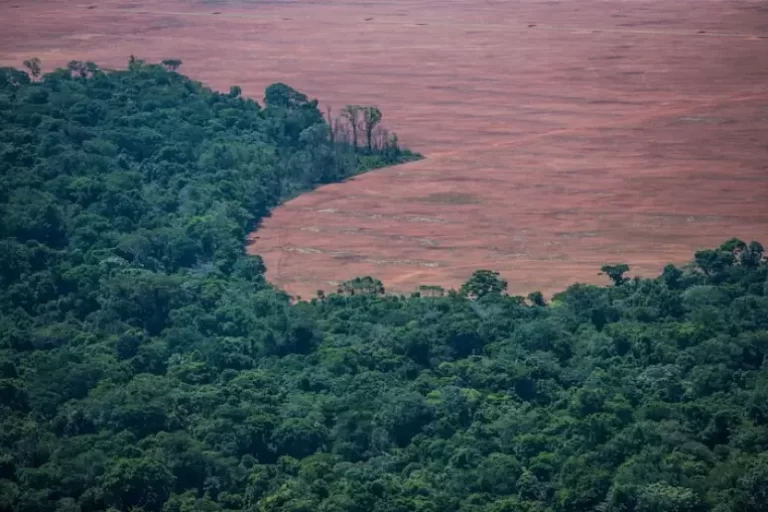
{"x":380,"y":138}
{"x":343,"y":131}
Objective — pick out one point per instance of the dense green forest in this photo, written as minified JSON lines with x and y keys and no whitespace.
{"x":147,"y":365}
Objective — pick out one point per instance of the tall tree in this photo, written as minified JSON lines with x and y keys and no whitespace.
{"x":752,"y":255}
{"x":616,"y":273}
{"x":134,"y":64}
{"x":33,"y":65}
{"x":235,"y":91}
{"x":713,"y":262}
{"x":332,"y":125}
{"x":352,"y":114}
{"x":371,"y":118}
{"x":482,"y":283}
{"x":77,"y":68}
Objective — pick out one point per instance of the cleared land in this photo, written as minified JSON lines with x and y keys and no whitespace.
{"x":559,"y":135}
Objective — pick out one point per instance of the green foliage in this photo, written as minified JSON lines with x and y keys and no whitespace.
{"x":143,"y":483}
{"x":482,"y":283}
{"x":616,"y":273}
{"x":361,"y":285}
{"x":172,"y":64}
{"x":146,"y":364}
{"x":33,"y":65}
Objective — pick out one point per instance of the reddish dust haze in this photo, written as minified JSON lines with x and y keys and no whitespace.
{"x":559,"y":135}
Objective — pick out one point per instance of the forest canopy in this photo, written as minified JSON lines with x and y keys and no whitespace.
{"x":147,"y":365}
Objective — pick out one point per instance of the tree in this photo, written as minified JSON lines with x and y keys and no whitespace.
{"x":403,"y":415}
{"x":752,"y":255}
{"x":431,"y":291}
{"x":392,"y":149}
{"x":733,"y":245}
{"x":361,"y":286}
{"x":671,"y":275}
{"x":615,"y":273}
{"x":12,"y":80}
{"x":753,"y":487}
{"x":77,"y":68}
{"x":283,"y":96}
{"x":537,"y":299}
{"x":33,"y":65}
{"x":142,"y":483}
{"x":482,"y":283}
{"x":128,"y":343}
{"x":91,"y":68}
{"x":134,"y":64}
{"x":371,"y":118}
{"x":661,"y":497}
{"x":714,"y":262}
{"x":332,"y":125}
{"x":251,"y":269}
{"x":352,"y":114}
{"x":172,"y":64}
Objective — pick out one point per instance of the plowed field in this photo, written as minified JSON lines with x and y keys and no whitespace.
{"x":559,"y":135}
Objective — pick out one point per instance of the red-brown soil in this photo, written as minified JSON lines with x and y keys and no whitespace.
{"x":559,"y":135}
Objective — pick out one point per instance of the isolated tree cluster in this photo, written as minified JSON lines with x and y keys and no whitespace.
{"x":361,"y":126}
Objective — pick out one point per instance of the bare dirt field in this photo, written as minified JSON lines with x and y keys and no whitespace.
{"x":559,"y":135}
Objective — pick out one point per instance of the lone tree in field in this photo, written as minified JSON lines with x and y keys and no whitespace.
{"x":371,"y":119}
{"x":172,"y":64}
{"x":33,"y":65}
{"x":352,"y":114}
